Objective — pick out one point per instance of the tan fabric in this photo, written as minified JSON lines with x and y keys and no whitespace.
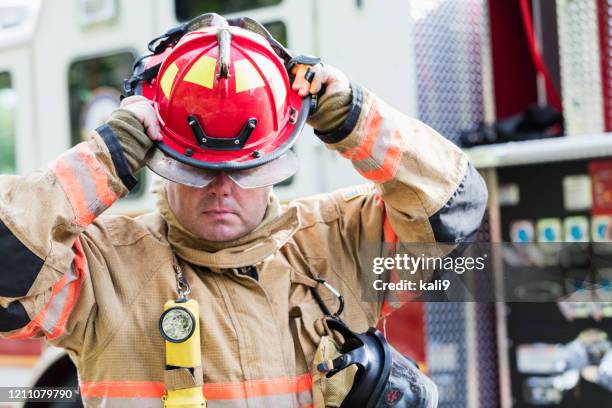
{"x":332,"y":112}
{"x":132,"y":137}
{"x":258,"y":338}
{"x":330,"y":392}
{"x":181,"y":378}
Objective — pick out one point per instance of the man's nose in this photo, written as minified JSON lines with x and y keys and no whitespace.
{"x":222,"y":185}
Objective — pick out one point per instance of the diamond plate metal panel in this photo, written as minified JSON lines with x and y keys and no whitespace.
{"x":579,"y":58}
{"x":447,"y":352}
{"x":462,"y":354}
{"x":486,"y":361}
{"x":450,"y":48}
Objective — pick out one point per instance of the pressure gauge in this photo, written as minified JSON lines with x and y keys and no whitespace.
{"x":177,"y":324}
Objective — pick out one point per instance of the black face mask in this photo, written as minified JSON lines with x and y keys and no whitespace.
{"x":384,"y":378}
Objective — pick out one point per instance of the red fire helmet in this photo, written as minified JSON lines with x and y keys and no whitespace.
{"x":224,"y":103}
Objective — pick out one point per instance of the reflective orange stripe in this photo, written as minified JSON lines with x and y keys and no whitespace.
{"x":80,"y":268}
{"x":65,"y":305}
{"x":388,"y":169}
{"x":118,"y":389}
{"x":258,"y":388}
{"x":85,"y":181}
{"x":100,"y":178}
{"x":73,"y":190}
{"x":217,"y":391}
{"x":372,"y":132}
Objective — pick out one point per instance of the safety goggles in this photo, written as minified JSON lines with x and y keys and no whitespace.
{"x":264,"y":175}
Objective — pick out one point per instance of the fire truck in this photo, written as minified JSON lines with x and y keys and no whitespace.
{"x":455,"y":64}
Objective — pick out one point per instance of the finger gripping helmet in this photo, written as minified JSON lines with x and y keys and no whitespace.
{"x":224,"y":102}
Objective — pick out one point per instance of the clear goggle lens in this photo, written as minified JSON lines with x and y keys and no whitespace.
{"x":261,"y":176}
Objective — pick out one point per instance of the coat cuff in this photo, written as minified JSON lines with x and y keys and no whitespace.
{"x":350,"y":122}
{"x":126,"y":136}
{"x":117,"y":155}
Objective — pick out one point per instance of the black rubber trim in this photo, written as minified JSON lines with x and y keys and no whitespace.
{"x":13,"y":317}
{"x":19,"y":266}
{"x":351,"y":121}
{"x":459,"y":219}
{"x":119,"y":160}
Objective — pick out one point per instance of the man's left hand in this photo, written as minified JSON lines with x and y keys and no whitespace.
{"x":324,"y":75}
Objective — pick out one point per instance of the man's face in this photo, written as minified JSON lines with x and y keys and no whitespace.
{"x":221,"y":211}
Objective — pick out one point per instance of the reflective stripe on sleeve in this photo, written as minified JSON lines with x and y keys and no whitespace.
{"x":371,"y":131}
{"x":51,"y":320}
{"x":379,"y":152}
{"x":85,"y":181}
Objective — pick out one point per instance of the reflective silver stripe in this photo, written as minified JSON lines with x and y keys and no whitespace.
{"x":86,"y":183}
{"x":303,"y":399}
{"x":82,"y":174}
{"x":57,"y":303}
{"x":112,"y":402}
{"x":386,"y":138}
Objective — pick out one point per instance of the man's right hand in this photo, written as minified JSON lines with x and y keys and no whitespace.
{"x":142,"y":108}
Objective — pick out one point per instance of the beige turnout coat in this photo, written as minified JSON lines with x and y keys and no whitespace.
{"x":96,"y":285}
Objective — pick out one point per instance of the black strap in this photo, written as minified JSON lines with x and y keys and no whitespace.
{"x":322,"y":305}
{"x":118,"y":156}
{"x":169,"y":38}
{"x":130,"y":85}
{"x":302,"y":59}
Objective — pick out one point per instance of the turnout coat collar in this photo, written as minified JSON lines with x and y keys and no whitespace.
{"x":275,"y":230}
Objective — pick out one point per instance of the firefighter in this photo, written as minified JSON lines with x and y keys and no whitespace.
{"x":217,"y":119}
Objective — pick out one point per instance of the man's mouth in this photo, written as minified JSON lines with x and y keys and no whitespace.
{"x":218,"y":211}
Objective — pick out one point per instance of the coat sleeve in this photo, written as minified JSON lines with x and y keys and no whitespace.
{"x":420,"y":176}
{"x":424,"y":190}
{"x":44,"y":270}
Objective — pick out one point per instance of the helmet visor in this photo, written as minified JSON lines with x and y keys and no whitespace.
{"x":261,"y":176}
